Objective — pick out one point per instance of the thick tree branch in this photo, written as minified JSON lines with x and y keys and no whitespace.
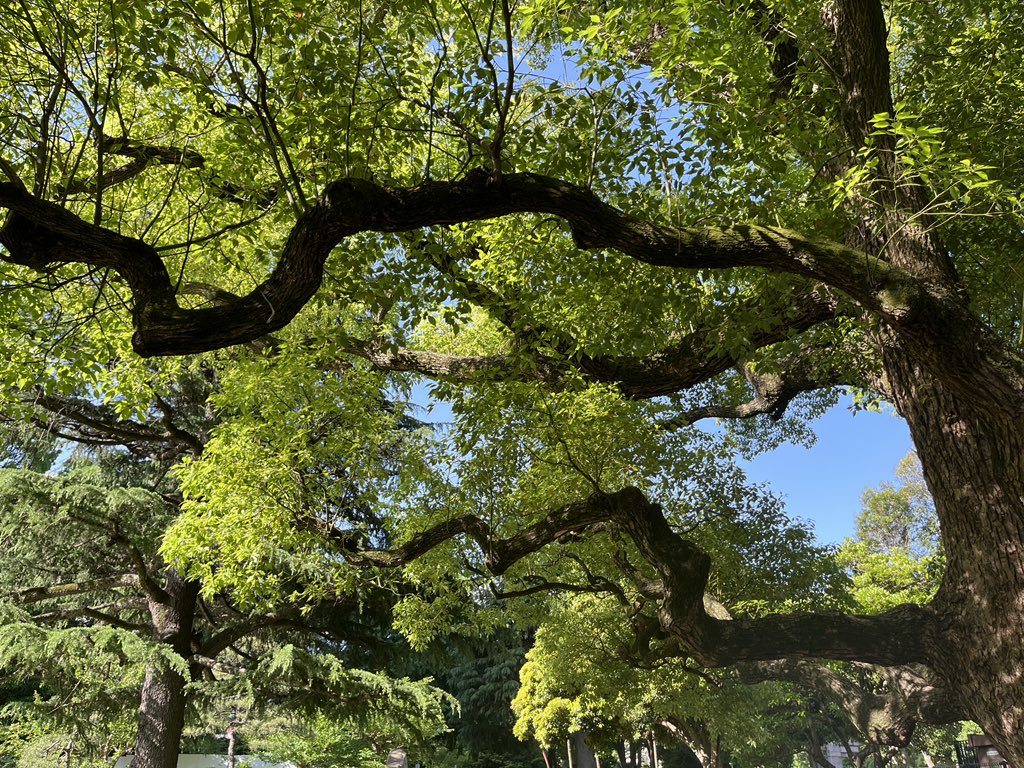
{"x":93,"y":421}
{"x":231,"y":634}
{"x":695,"y":357}
{"x":453,"y":367}
{"x":698,"y":356}
{"x":900,"y":636}
{"x":929,"y":315}
{"x":42,"y":235}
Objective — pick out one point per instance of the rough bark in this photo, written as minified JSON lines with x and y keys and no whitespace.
{"x":162,"y":710}
{"x":40,"y":235}
{"x":964,"y":417}
{"x":972,"y":464}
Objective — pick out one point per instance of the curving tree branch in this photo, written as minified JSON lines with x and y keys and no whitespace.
{"x":42,"y":235}
{"x":695,"y":626}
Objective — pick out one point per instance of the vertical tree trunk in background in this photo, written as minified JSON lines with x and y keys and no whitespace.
{"x":620,"y":750}
{"x":162,"y":710}
{"x":585,"y":757}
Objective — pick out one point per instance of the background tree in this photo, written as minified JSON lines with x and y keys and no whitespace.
{"x":897,"y":555}
{"x":897,"y":558}
{"x":482,"y":673}
{"x":90,"y":594}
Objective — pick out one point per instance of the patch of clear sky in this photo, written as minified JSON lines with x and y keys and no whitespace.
{"x":824,"y":483}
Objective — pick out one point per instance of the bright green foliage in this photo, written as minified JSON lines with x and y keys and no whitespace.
{"x":578,"y":678}
{"x":299,"y":451}
{"x":286,"y":99}
{"x":586,"y":673}
{"x":264,"y":104}
{"x":309,"y":741}
{"x":897,"y":557}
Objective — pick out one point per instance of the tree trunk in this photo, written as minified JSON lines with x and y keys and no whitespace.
{"x":162,"y":710}
{"x":620,"y":750}
{"x":961,"y":390}
{"x":161,"y":719}
{"x":585,"y":757}
{"x":973,"y":461}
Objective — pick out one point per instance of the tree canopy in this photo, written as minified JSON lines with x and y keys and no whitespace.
{"x":591,"y":227}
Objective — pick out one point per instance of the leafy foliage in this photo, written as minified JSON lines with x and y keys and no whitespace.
{"x":897,"y":557}
{"x":212,"y":131}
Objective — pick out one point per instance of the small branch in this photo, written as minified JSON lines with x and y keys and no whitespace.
{"x":498,"y":140}
{"x":96,"y":614}
{"x":149,"y":585}
{"x":543,"y":585}
{"x":772,"y":395}
{"x":70,"y":589}
{"x":82,"y":421}
{"x":177,"y":433}
{"x":142,"y":155}
{"x":11,"y":173}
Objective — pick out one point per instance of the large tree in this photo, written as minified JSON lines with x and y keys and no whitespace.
{"x":85,"y":592}
{"x":208,"y":170}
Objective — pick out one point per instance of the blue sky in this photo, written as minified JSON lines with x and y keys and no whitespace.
{"x":824,"y":483}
